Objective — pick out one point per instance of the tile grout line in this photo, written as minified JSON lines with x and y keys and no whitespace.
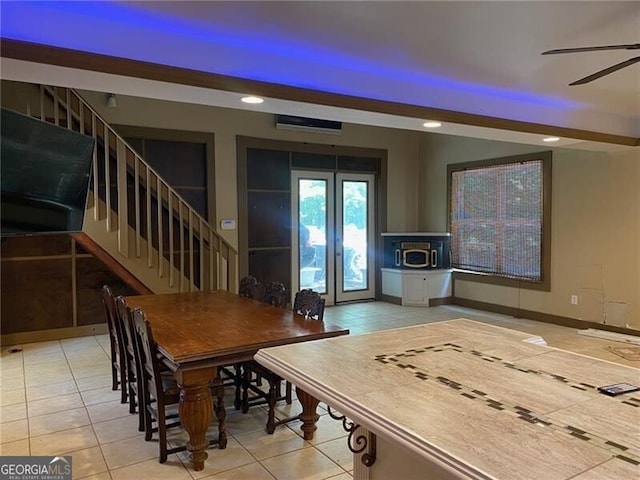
{"x":95,"y":434}
{"x":357,"y":318}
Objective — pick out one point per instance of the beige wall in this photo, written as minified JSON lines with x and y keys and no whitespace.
{"x":595,"y":209}
{"x":595,"y":229}
{"x":402,"y":146}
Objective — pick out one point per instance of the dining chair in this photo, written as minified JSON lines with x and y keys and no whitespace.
{"x":133,"y":366}
{"x":310,"y":305}
{"x":116,"y":344}
{"x":156,"y":392}
{"x":231,"y":375}
{"x":248,"y":287}
{"x":134,"y":379}
{"x":275,"y":294}
{"x":159,"y":390}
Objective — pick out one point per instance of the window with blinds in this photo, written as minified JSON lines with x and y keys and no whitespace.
{"x":497,"y":217}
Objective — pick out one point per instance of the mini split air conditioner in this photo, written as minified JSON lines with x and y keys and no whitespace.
{"x":289,"y":122}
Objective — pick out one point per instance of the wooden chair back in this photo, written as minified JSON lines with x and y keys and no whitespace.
{"x":134,"y":375}
{"x":309,"y":304}
{"x":147,"y":356}
{"x":275,"y":294}
{"x":157,"y":392}
{"x":116,"y":343}
{"x":248,"y":287}
{"x":124,"y":318}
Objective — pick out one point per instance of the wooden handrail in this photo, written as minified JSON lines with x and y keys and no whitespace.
{"x":68,"y":105}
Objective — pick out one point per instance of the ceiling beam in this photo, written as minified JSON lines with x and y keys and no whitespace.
{"x":63,"y":57}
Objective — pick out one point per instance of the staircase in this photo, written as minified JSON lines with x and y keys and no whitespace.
{"x":134,"y":221}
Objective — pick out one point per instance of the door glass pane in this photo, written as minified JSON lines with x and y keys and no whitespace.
{"x":312,"y":238}
{"x":354,"y":235}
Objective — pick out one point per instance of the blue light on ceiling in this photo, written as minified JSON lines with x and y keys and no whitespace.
{"x":95,"y":26}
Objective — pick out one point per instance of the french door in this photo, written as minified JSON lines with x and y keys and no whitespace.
{"x":333,"y":235}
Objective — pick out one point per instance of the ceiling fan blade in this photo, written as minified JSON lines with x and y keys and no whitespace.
{"x":606,"y":71}
{"x":631,"y":46}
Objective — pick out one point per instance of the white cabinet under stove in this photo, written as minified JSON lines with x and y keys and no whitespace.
{"x":417,"y":288}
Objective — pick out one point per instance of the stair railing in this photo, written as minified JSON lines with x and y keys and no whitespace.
{"x":206,"y":261}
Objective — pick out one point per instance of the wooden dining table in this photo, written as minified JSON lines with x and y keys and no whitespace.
{"x":197,"y":332}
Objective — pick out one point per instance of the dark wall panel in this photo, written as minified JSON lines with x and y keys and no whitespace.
{"x":91,"y":275}
{"x":269,"y":218}
{"x":267,"y":169}
{"x":35,"y":246}
{"x":271,"y":265}
{"x":36,"y":295}
{"x":179,"y":163}
{"x":358,"y":164}
{"x":314,"y":161}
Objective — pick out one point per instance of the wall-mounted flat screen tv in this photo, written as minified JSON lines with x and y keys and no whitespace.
{"x":45,"y":174}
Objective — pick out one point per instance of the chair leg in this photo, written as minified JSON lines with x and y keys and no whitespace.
{"x":288,"y":393}
{"x":162,"y":434}
{"x":123,"y":385}
{"x":246,"y":374}
{"x":237,"y":403}
{"x":133,"y":400}
{"x":114,"y":377}
{"x":142,"y":407}
{"x":220,"y":413}
{"x":148,"y":424}
{"x":274,"y":388}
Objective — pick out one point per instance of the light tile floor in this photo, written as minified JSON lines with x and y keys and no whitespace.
{"x":56,"y":398}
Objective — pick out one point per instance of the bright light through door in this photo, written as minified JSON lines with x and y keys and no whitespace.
{"x":332,"y":216}
{"x":354,"y":235}
{"x":312,"y":241}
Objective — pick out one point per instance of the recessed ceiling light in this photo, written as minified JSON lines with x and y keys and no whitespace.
{"x":551,"y":139}
{"x":432,"y":124}
{"x":252,"y":99}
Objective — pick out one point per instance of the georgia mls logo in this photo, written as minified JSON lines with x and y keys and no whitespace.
{"x":59,"y":466}
{"x":35,"y":468}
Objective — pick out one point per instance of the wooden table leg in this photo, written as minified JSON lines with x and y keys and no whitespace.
{"x":196,"y":412}
{"x":308,"y":416}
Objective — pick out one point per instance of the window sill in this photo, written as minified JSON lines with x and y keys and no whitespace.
{"x":487,"y":278}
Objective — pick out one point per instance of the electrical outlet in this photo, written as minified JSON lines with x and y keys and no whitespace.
{"x":574,"y":299}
